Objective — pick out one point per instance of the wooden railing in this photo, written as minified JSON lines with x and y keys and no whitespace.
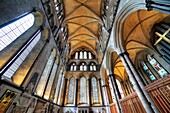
{"x":113,"y":108}
{"x":132,"y":104}
{"x":160,"y":93}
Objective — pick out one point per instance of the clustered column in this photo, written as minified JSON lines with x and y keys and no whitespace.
{"x":64,"y":91}
{"x":136,"y":86}
{"x":116,"y":93}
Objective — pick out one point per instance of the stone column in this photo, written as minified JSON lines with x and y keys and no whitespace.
{"x":89,"y":83}
{"x":101,"y":91}
{"x":140,"y":82}
{"x":116,"y":93}
{"x":65,"y":87}
{"x":136,"y":86}
{"x":76,"y":93}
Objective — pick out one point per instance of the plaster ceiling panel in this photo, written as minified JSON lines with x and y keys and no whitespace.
{"x":139,"y":36}
{"x":82,"y":30}
{"x":79,"y":45}
{"x":119,"y":70}
{"x":83,"y":20}
{"x":138,"y":25}
{"x":83,"y":37}
{"x":73,"y":4}
{"x":91,"y":3}
{"x":81,"y":11}
{"x":129,"y":24}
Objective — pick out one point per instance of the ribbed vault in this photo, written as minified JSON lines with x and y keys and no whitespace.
{"x":136,"y":36}
{"x":83,"y":19}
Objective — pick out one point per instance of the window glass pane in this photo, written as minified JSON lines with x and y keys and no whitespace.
{"x":147,"y":71}
{"x":75,"y":68}
{"x":81,"y":55}
{"x":83,"y":90}
{"x":159,"y":69}
{"x":85,"y":55}
{"x":94,"y":90}
{"x":85,"y":68}
{"x":71,"y":68}
{"x":91,"y":68}
{"x":15,"y":29}
{"x":76,"y":55}
{"x":94,"y":67}
{"x":13,"y":68}
{"x":90,"y":57}
{"x":71,"y":91}
{"x":45,"y":74}
{"x":81,"y":68}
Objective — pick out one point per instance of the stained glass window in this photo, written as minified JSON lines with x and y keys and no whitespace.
{"x":147,"y":71}
{"x":83,"y":90}
{"x":94,"y":90}
{"x":71,"y":91}
{"x":159,"y":69}
{"x":13,"y":30}
{"x":42,"y":83}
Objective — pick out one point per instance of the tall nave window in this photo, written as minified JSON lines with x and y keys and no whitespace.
{"x":95,"y":90}
{"x":71,"y":89}
{"x":13,"y":30}
{"x":83,"y":90}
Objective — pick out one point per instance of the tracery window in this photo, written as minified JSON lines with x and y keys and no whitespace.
{"x":45,"y":74}
{"x":92,"y":67}
{"x":83,"y":67}
{"x":157,"y":67}
{"x":83,"y":90}
{"x":13,"y":30}
{"x":147,"y":71}
{"x":71,"y":90}
{"x":94,"y":90}
{"x":82,"y":54}
{"x":73,"y":67}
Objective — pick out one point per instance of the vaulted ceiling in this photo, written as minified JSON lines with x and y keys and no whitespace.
{"x":83,"y":19}
{"x":136,"y":37}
